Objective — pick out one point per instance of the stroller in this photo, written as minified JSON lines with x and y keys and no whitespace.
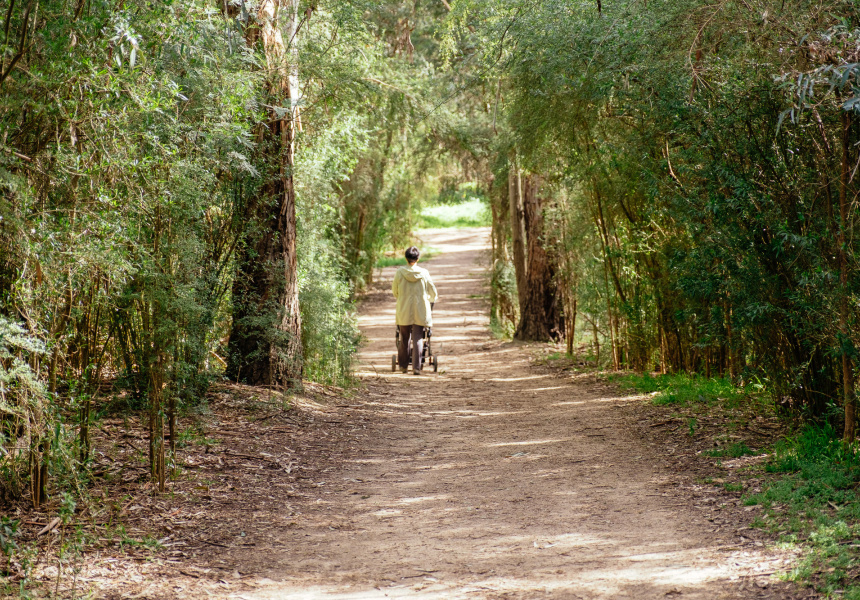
{"x":426,"y":356}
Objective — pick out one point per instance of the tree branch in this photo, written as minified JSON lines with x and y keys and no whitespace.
{"x":21,"y":45}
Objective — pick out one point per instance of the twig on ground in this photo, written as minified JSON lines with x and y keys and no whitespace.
{"x":585,"y":459}
{"x":49,"y":527}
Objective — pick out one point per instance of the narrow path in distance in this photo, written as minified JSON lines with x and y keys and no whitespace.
{"x":493,"y":478}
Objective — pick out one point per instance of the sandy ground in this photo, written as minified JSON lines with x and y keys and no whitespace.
{"x":496,"y":479}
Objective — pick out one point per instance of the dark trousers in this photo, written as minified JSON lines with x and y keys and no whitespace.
{"x":416,"y":333}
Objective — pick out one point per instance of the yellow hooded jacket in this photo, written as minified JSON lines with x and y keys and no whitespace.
{"x":414,"y":291}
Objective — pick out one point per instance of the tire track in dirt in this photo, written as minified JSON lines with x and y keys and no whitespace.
{"x":493,"y":479}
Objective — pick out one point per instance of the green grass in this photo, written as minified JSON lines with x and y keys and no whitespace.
{"x":471,"y":213}
{"x":390,"y":261}
{"x":810,"y":496}
{"x":192,"y":436}
{"x":814,"y":506}
{"x":683,"y":389}
{"x":733,"y":450}
{"x":118,"y":535}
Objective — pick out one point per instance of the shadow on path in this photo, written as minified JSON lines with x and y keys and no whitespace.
{"x":495,"y":479}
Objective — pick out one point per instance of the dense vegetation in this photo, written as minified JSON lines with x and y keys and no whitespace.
{"x":194,"y":189}
{"x":690,"y":171}
{"x":695,"y":165}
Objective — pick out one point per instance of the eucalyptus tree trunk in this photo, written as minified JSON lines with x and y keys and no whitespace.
{"x":540,"y":314}
{"x":265,"y":343}
{"x":568,"y":278}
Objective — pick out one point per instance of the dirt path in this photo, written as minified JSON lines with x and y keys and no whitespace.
{"x":493,"y":479}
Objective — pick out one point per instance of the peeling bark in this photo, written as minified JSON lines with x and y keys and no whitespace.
{"x":540,"y":313}
{"x":265,"y":343}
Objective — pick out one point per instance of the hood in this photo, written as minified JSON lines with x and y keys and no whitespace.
{"x":412,"y":273}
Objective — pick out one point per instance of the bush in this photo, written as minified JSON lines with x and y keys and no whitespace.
{"x":23,"y":404}
{"x":329,"y":328}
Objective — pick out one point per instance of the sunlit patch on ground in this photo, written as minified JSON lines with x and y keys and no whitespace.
{"x":494,"y":479}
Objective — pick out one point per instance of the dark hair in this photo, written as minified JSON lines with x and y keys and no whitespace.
{"x":412,"y":254}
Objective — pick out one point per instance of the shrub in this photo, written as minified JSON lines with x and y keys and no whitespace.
{"x":23,"y":404}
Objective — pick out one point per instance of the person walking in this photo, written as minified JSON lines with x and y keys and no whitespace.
{"x":415,"y":293}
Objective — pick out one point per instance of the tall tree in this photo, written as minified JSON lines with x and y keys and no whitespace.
{"x":265,"y":342}
{"x":540,"y":311}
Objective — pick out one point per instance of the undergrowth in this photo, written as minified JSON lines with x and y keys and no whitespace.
{"x":814,"y":505}
{"x":810,"y":490}
{"x":733,"y":450}
{"x":684,"y":389}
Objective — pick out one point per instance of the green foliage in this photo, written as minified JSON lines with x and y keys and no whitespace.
{"x":814,"y":453}
{"x":427,"y":138}
{"x":134,"y":173}
{"x":814,"y":505}
{"x":22,"y":395}
{"x":503,"y":299}
{"x":329,"y":329}
{"x":685,"y":168}
{"x":733,"y":487}
{"x":120,"y":536}
{"x":24,"y":406}
{"x":8,"y":533}
{"x":130,"y":156}
{"x":193,"y":436}
{"x":460,"y":194}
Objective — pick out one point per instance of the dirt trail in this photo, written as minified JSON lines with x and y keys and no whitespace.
{"x":492,"y":479}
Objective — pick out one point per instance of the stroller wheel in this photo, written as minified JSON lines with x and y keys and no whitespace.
{"x":393,"y":363}
{"x":435,"y":364}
